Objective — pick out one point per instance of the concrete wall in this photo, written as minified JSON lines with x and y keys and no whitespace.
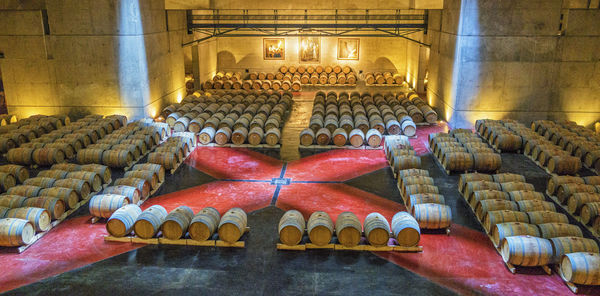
{"x":375,"y":54}
{"x":99,"y":57}
{"x":505,"y":59}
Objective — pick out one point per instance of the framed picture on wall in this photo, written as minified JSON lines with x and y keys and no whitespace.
{"x":274,"y":48}
{"x":348,"y":48}
{"x":310,"y":49}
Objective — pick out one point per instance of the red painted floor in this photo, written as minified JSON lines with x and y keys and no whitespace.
{"x":465,"y":261}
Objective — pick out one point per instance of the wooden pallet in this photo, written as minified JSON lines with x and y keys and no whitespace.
{"x":330,"y":147}
{"x":392,"y":246}
{"x":229,"y":145}
{"x":53,"y":224}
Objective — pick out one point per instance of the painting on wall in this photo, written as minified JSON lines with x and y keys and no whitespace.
{"x":348,"y":48}
{"x":310,"y":49}
{"x":274,"y":48}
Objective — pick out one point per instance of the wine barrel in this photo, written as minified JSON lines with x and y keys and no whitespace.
{"x":176,"y":223}
{"x":526,"y":195}
{"x":117,"y":158}
{"x":68,"y":167}
{"x":21,"y":156}
{"x":104,"y":205}
{"x":41,"y":182}
{"x":581,"y":268}
{"x":320,"y":228}
{"x":516,"y":186}
{"x":131,"y":192}
{"x":571,"y":244}
{"x":348,"y":229}
{"x":204,"y":224}
{"x":421,"y":198}
{"x":564,"y":191}
{"x":307,"y":137}
{"x":406,"y":229}
{"x":340,"y":137}
{"x":54,"y":174}
{"x":409,"y":128}
{"x":19,"y":172}
{"x":24,"y":190}
{"x":589,"y":212}
{"x":121,"y":222}
{"x":464,"y":178}
{"x":377,"y":229}
{"x":69,"y":196}
{"x":556,"y":181}
{"x":39,"y":218}
{"x":458,"y":161}
{"x":373,"y":138}
{"x":272,"y":136}
{"x":222,"y":135}
{"x":239,"y":135}
{"x":577,"y":200}
{"x":526,"y":251}
{"x":7,"y":181}
{"x":54,"y":206}
{"x":291,"y":228}
{"x":401,"y":174}
{"x":11,"y":201}
{"x":487,"y":205}
{"x":545,"y":216}
{"x":6,"y":144}
{"x":486,"y":162}
{"x":156,"y":168}
{"x":149,"y":176}
{"x":93,"y":179}
{"x":403,"y":162}
{"x":357,"y":137}
{"x":503,"y":230}
{"x":141,"y":184}
{"x":503,"y":216}
{"x":16,"y":232}
{"x":564,"y":165}
{"x":89,"y":156}
{"x":432,"y":216}
{"x":232,"y":225}
{"x":323,"y":136}
{"x":82,"y":187}
{"x":550,"y":230}
{"x":414,"y":180}
{"x":207,"y":135}
{"x":149,"y":221}
{"x":473,"y":186}
{"x":480,"y":195}
{"x":535,"y":205}
{"x":102,"y":170}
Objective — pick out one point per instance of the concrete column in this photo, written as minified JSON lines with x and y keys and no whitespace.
{"x":196,"y":67}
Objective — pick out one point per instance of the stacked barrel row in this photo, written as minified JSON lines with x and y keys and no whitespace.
{"x":234,"y":118}
{"x":173,"y":151}
{"x":224,"y":80}
{"x":272,"y":81}
{"x":400,"y":154}
{"x":462,"y":150}
{"x":6,"y":119}
{"x":525,"y":228}
{"x":317,"y":75}
{"x":384,"y":78}
{"x":65,"y":142}
{"x":44,"y":198}
{"x":423,"y":199}
{"x":581,"y":197}
{"x":123,"y":146}
{"x":576,"y":140}
{"x":29,"y":129}
{"x":348,"y":229}
{"x":180,"y":223}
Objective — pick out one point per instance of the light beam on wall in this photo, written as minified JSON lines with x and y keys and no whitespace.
{"x":133,"y":66}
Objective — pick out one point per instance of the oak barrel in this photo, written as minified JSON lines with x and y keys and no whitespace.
{"x":526,"y":250}
{"x":92,"y":178}
{"x":149,"y":221}
{"x":39,"y":218}
{"x":291,"y":227}
{"x":102,"y":170}
{"x":103,"y":205}
{"x":348,"y":229}
{"x":15,"y":232}
{"x":177,"y":222}
{"x":67,"y":195}
{"x":406,"y":229}
{"x":157,"y":168}
{"x":550,"y":230}
{"x":232,"y":225}
{"x":503,"y":230}
{"x":581,"y":268}
{"x":82,"y":187}
{"x":432,"y":216}
{"x":571,"y":244}
{"x":20,"y":172}
{"x":54,"y":206}
{"x":204,"y":224}
{"x":503,"y":216}
{"x":122,"y":220}
{"x":377,"y":229}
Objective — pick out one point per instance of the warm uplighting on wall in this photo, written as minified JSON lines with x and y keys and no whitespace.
{"x":159,"y":119}
{"x":179,"y":98}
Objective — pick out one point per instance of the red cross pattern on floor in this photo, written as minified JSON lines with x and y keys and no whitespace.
{"x":252,"y":181}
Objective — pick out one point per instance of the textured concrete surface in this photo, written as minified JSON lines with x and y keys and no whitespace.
{"x":506,"y":59}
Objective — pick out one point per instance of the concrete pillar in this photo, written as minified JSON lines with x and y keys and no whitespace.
{"x":506,"y":59}
{"x":196,"y":67}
